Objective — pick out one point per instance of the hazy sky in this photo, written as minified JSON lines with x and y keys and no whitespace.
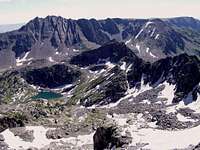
{"x":17,"y":11}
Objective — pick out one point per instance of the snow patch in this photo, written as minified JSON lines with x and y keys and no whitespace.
{"x":129,"y":68}
{"x":152,"y":33}
{"x":75,"y":50}
{"x":183,"y":118}
{"x":128,"y":41}
{"x":148,"y":23}
{"x":168,"y":92}
{"x":63,"y":87}
{"x":152,"y":55}
{"x":157,"y":36}
{"x":123,"y":66}
{"x":97,"y":72}
{"x":110,"y":65}
{"x":147,"y":50}
{"x":51,"y":59}
{"x":139,"y":33}
{"x":146,"y":101}
{"x":97,"y":87}
{"x":138,"y":47}
{"x":19,"y":62}
{"x":110,"y":105}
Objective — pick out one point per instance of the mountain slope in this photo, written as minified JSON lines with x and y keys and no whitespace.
{"x":182,"y":71}
{"x":109,"y":92}
{"x":185,"y":22}
{"x":106,"y":74}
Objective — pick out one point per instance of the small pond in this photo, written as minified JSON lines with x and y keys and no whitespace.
{"x":48,"y":95}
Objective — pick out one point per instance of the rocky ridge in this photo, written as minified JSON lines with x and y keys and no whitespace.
{"x":55,"y":38}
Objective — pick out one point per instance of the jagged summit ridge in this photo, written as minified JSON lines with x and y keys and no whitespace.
{"x":56,"y":38}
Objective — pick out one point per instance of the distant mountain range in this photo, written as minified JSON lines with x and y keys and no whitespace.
{"x":10,"y":27}
{"x":55,"y":38}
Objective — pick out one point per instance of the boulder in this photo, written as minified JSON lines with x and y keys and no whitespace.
{"x":7,"y":122}
{"x":108,"y":138}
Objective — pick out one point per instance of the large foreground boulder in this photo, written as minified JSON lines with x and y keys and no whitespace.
{"x":7,"y":122}
{"x":108,"y":138}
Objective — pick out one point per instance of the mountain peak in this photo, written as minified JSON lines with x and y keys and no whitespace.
{"x":150,"y":39}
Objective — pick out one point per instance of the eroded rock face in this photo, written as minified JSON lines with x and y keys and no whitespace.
{"x":182,"y":70}
{"x":107,"y":138}
{"x":51,"y":77}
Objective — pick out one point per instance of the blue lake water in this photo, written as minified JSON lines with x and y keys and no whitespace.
{"x":47,"y":95}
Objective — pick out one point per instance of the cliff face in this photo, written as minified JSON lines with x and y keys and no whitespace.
{"x":51,"y":77}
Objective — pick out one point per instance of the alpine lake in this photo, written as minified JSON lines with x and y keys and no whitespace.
{"x":48,"y":95}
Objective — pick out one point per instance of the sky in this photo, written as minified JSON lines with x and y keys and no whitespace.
{"x":21,"y":11}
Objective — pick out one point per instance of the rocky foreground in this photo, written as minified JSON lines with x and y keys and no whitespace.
{"x":131,"y":125}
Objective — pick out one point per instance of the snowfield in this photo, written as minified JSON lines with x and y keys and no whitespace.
{"x":16,"y":142}
{"x":168,"y":92}
{"x":40,"y":139}
{"x":156,"y":139}
{"x":166,"y":140}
